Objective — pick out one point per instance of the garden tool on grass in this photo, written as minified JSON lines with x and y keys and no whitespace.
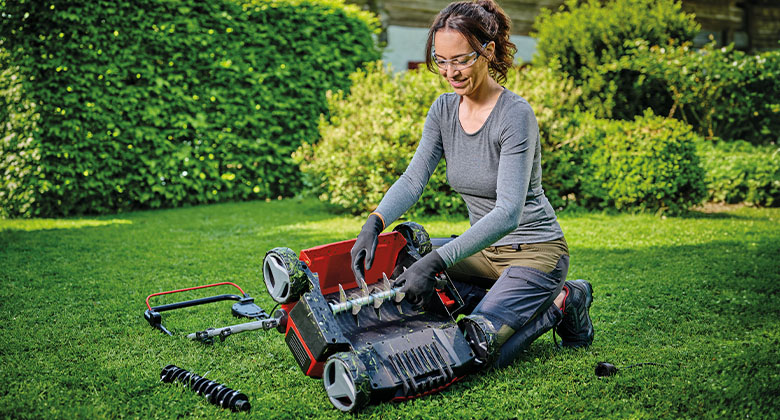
{"x":245,"y":307}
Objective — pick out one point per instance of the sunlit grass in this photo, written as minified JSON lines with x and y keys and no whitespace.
{"x":44,"y":224}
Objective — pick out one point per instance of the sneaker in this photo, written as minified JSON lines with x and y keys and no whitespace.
{"x":576,"y":328}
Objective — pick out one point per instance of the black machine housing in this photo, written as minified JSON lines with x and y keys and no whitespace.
{"x":382,"y":350}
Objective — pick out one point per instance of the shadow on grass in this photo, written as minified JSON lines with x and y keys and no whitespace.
{"x":716,"y":215}
{"x":725,"y":211}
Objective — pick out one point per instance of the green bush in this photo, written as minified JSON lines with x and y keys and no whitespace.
{"x":722,"y":92}
{"x":648,"y":164}
{"x":738,"y":172}
{"x":585,"y":39}
{"x":116,"y":105}
{"x":373,"y":132}
{"x":369,"y":139}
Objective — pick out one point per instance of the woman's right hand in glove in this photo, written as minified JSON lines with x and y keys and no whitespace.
{"x":365,"y":246}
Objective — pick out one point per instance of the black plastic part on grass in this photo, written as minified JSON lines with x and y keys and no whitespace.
{"x":605,"y":369}
{"x":214,"y":392}
{"x":608,"y":369}
{"x":247,"y":308}
{"x":155,"y":320}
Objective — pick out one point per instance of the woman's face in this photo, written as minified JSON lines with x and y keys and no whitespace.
{"x":449,"y":45}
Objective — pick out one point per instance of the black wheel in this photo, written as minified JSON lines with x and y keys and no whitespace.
{"x":346,"y":382}
{"x":481,"y":336}
{"x":416,"y":236}
{"x":284,"y":276}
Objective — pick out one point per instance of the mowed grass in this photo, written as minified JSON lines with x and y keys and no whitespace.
{"x":697,"y":294}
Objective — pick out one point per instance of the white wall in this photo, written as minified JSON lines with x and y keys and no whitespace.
{"x":406,"y":44}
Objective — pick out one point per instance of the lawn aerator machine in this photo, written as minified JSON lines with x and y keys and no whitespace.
{"x":362,"y":338}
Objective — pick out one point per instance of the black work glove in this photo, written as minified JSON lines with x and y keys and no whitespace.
{"x":419,"y":280}
{"x":365,"y":246}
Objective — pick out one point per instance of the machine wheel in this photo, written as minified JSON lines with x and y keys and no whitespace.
{"x":345,"y":382}
{"x":481,"y":336}
{"x":284,"y":276}
{"x":416,"y":236}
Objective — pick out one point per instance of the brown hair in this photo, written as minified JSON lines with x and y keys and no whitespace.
{"x":479,"y":22}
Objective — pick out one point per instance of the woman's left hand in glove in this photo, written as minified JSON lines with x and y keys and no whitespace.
{"x":419,"y":280}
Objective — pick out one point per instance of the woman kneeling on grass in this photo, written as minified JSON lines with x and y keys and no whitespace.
{"x":490,"y":139}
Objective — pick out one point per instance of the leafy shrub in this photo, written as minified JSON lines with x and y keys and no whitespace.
{"x":649,"y":164}
{"x":585,"y":39}
{"x":116,"y":105}
{"x":17,"y":112}
{"x":738,"y":172}
{"x":722,"y":92}
{"x":373,"y":132}
{"x":646,"y":164}
{"x":369,"y":139}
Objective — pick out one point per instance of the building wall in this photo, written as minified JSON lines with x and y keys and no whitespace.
{"x":420,"y":13}
{"x":752,"y":25}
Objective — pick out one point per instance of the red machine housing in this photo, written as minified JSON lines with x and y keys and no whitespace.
{"x":332,"y":263}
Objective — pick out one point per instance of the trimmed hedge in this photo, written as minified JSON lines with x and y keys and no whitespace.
{"x":738,"y":172}
{"x":586,"y":38}
{"x":117,"y":105}
{"x":721,"y":92}
{"x":649,"y":164}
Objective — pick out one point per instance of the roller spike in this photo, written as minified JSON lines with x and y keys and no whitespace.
{"x":386,"y":282}
{"x":356,"y":306}
{"x":378,"y":302}
{"x":342,"y":294}
{"x":399,"y":296}
{"x":377,"y":305}
{"x":363,"y":287}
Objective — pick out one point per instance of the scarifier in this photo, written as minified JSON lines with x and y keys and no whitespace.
{"x":366,"y":343}
{"x":362,"y":338}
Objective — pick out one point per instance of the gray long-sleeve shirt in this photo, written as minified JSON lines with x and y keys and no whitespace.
{"x":497,"y":170}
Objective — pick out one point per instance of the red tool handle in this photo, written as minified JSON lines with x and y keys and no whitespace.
{"x":446,"y":300}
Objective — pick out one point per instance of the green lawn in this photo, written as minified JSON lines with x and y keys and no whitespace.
{"x":697,"y":294}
